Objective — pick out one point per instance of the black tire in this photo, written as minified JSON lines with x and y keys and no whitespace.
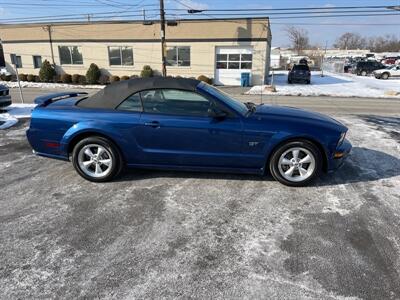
{"x":308,"y":81}
{"x":112,"y":153}
{"x":364,"y":73}
{"x":274,"y":162}
{"x":289,"y":81}
{"x":385,"y":76}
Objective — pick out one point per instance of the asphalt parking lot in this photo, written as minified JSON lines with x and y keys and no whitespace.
{"x":154,"y":234}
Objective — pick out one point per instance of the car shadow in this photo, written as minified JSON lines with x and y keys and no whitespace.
{"x":362,"y":166}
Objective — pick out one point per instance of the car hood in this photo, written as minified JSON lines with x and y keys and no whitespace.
{"x":295,"y":114}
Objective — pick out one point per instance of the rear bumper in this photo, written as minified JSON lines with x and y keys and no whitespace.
{"x":341,"y":154}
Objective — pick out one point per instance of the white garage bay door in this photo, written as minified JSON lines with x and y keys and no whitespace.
{"x":231,"y":62}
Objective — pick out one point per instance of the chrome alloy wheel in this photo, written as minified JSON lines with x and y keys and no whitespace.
{"x":296,"y":164}
{"x":95,"y":160}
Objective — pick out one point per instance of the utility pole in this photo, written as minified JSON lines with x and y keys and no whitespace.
{"x":49,"y":29}
{"x":323,"y":59}
{"x":163,"y":50}
{"x":144,"y":15}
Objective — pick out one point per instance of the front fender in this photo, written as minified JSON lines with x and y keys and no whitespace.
{"x":101,"y":128}
{"x":282,"y":136}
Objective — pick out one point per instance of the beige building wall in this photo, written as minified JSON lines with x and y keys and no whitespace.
{"x":94,"y":40}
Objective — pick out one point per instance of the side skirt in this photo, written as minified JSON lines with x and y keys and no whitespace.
{"x":198,"y":169}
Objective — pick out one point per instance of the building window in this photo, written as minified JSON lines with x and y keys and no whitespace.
{"x":178,"y":56}
{"x":16,"y":60}
{"x":120,"y":56}
{"x":37,"y":61}
{"x":234,"y":61}
{"x":70,"y":55}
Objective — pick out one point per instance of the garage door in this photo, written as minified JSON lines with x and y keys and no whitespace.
{"x":231,"y":62}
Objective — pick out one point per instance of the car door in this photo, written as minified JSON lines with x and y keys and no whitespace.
{"x":177,"y":130}
{"x":395,"y":72}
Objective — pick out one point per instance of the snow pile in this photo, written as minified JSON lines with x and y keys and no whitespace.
{"x":49,"y":85}
{"x":15,"y":112}
{"x":6,"y":121}
{"x":335,"y":85}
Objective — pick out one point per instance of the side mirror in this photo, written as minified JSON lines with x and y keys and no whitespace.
{"x":216,"y":113}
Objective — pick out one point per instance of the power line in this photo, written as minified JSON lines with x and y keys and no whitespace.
{"x":303,"y":16}
{"x":300,"y":8}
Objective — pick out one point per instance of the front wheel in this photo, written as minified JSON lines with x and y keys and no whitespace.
{"x":385,"y":76}
{"x":96,"y":159}
{"x":296,"y":163}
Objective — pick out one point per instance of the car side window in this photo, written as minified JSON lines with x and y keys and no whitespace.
{"x":175,"y":102}
{"x":132,"y":103}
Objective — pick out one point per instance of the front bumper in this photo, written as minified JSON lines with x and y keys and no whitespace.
{"x":340,"y":155}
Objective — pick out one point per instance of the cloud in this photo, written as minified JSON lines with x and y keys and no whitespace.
{"x":185,"y":4}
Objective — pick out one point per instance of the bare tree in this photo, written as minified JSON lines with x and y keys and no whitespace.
{"x":298,"y":37}
{"x":387,"y":43}
{"x":350,"y":40}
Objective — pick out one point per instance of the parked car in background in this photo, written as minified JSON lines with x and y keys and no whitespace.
{"x":389,"y":60}
{"x":5,"y":98}
{"x":300,"y":73}
{"x":387,"y":72}
{"x":364,"y":68}
{"x":183,"y":124}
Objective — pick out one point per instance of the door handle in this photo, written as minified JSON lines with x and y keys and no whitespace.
{"x":153,"y":124}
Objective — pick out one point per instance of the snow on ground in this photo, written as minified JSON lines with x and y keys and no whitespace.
{"x":49,"y":85}
{"x":15,"y":112}
{"x":335,"y":85}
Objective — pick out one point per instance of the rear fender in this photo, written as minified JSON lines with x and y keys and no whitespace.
{"x":95,"y":127}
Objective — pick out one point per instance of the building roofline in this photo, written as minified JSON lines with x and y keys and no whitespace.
{"x":83,"y":23}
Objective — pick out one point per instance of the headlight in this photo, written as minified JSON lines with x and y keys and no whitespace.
{"x":342,"y":137}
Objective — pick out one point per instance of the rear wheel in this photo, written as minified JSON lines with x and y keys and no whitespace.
{"x":96,"y":159}
{"x":296,"y":163}
{"x":363,"y":73}
{"x":289,"y":81}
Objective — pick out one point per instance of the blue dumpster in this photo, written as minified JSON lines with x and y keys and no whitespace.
{"x":245,"y":79}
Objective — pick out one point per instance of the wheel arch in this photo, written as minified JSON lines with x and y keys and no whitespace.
{"x":91,"y":133}
{"x":295,"y":139}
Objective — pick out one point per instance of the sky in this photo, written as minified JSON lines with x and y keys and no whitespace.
{"x":321,"y":31}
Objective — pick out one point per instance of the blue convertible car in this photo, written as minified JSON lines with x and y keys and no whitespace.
{"x":183,"y":124}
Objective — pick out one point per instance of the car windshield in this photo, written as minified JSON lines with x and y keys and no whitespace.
{"x":235,"y":104}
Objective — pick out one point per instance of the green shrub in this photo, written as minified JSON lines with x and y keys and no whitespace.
{"x":147,"y":71}
{"x":114,"y":78}
{"x":47,"y":72}
{"x":37,"y":78}
{"x":205,"y":79}
{"x":30,"y":78}
{"x":22,"y":76}
{"x":66,"y":78}
{"x":134,"y":76}
{"x":82,"y":79}
{"x":93,"y":74}
{"x":124,"y":78}
{"x":103,"y":79}
{"x":75,"y":78}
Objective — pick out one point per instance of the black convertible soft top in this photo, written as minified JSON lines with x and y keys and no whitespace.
{"x":112,"y":95}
